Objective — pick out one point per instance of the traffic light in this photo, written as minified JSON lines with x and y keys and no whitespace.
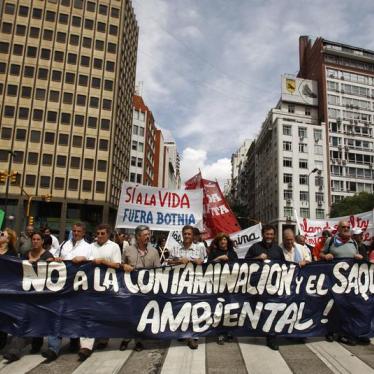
{"x":3,"y":177}
{"x":47,"y":198}
{"x":13,"y":177}
{"x":31,"y":220}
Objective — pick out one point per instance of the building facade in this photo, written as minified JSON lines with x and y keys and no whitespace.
{"x":67,"y":77}
{"x":345,"y":76}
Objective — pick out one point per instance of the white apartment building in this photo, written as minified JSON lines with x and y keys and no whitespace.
{"x":290,"y":156}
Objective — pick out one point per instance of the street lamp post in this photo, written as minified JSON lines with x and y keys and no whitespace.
{"x":315,"y":170}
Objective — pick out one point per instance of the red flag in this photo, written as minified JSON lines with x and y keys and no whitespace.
{"x":217,"y":215}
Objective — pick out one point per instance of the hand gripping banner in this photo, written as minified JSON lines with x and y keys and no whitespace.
{"x":243,"y":298}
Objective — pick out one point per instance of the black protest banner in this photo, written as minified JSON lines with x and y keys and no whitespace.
{"x":243,"y":298}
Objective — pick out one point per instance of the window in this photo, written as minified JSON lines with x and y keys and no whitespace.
{"x":87,"y":42}
{"x":108,"y":85}
{"x":59,"y":56}
{"x":63,"y":139}
{"x":74,"y":39}
{"x":6,"y":133}
{"x":112,"y":48}
{"x":18,"y":49}
{"x":59,"y":183}
{"x":4,"y":156}
{"x":115,"y":12}
{"x":100,"y":187}
{"x":96,"y":82}
{"x":101,"y":27}
{"x":107,"y":104}
{"x":77,"y":141}
{"x":79,"y":120}
{"x":99,"y":45}
{"x":83,"y":80}
{"x":94,"y":102}
{"x":51,"y":116}
{"x":319,"y":197}
{"x":320,"y":214}
{"x":3,"y":68}
{"x":140,"y":147}
{"x":29,"y":71}
{"x":42,"y":73}
{"x":303,"y":148}
{"x":12,"y":90}
{"x":21,"y":30}
{"x":81,"y":100}
{"x":72,"y":58}
{"x":70,"y":78}
{"x":287,"y":130}
{"x":113,"y":30}
{"x":287,"y":178}
{"x":61,"y":37}
{"x":73,"y":184}
{"x":318,"y":149}
{"x":4,"y":47}
{"x":63,"y":18}
{"x":101,"y":165}
{"x":18,"y":157}
{"x":75,"y":162}
{"x":140,"y":163}
{"x":76,"y":21}
{"x":98,"y":63}
{"x":14,"y":69}
{"x":31,"y":52}
{"x":92,"y":122}
{"x":135,"y":129}
{"x":47,"y":34}
{"x":78,"y":4}
{"x":49,"y":137}
{"x":35,"y":136}
{"x":40,"y":94}
{"x":86,"y":185}
{"x":32,"y":158}
{"x":65,"y":118}
{"x":302,"y":132}
{"x":90,"y":143}
{"x":104,"y":124}
{"x":91,"y":6}
{"x":6,"y":28}
{"x":68,"y":98}
{"x":47,"y":159}
{"x":61,"y":161}
{"x":88,"y":24}
{"x":34,"y":32}
{"x":103,"y":9}
{"x":50,"y":16}
{"x":287,"y":146}
{"x":303,"y":164}
{"x":37,"y":115}
{"x":23,"y":11}
{"x":65,"y":2}
{"x":54,"y":96}
{"x":9,"y":111}
{"x":103,"y":145}
{"x":307,"y":111}
{"x":37,"y":13}
{"x":109,"y":66}
{"x":291,"y":108}
{"x":9,"y":8}
{"x":21,"y":134}
{"x":88,"y":164}
{"x":317,"y":135}
{"x":287,"y":162}
{"x":23,"y":113}
{"x":30,"y":180}
{"x":303,"y":179}
{"x":287,"y":194}
{"x":304,"y":212}
{"x":304,"y":196}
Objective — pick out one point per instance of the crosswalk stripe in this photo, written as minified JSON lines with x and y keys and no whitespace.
{"x":184,"y":360}
{"x":108,"y":361}
{"x":25,"y":364}
{"x":260,"y":359}
{"x":338,"y":359}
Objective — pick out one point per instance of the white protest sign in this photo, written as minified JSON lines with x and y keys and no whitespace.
{"x":158,"y":208}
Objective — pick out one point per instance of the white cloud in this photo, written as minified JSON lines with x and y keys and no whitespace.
{"x":193,"y":160}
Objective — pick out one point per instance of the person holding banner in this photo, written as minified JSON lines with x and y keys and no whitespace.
{"x":267,"y":249}
{"x":8,"y":239}
{"x":103,"y":252}
{"x":188,"y":252}
{"x":316,"y":252}
{"x":139,"y":256}
{"x":293,"y":251}
{"x":35,"y":254}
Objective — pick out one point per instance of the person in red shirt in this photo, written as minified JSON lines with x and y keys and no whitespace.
{"x":320,"y":244}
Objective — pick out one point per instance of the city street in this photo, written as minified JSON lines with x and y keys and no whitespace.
{"x":246,"y":355}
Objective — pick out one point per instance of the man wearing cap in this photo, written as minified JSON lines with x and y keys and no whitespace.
{"x":141,"y":255}
{"x":358,"y":237}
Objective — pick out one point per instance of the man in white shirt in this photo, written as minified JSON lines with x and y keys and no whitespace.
{"x":55,"y":245}
{"x":103,"y":252}
{"x":292,"y":251}
{"x":77,"y":250}
{"x":188,"y":252}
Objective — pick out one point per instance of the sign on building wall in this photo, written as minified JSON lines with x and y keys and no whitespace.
{"x":297,"y":90}
{"x":158,"y":208}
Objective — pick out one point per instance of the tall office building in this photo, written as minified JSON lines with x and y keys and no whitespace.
{"x":345,"y":76}
{"x":67,"y":76}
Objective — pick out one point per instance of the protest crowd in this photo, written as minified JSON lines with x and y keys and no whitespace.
{"x":119,"y":250}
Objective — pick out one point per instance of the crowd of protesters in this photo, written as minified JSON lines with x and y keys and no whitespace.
{"x":122,"y":251}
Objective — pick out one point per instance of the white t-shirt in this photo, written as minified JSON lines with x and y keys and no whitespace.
{"x":55,"y":248}
{"x":196,"y":250}
{"x":303,"y":253}
{"x":109,"y":251}
{"x":81,"y":248}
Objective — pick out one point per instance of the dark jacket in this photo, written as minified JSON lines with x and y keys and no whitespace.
{"x":219,"y":252}
{"x":274,"y":252}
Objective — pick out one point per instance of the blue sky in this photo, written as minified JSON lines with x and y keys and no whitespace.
{"x":211,"y":69}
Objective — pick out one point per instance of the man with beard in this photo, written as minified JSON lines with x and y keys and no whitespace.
{"x":267,"y":249}
{"x":139,"y":256}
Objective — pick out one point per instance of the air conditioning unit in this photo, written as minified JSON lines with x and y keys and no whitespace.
{"x":319,"y":203}
{"x":316,"y":140}
{"x":339,"y":161}
{"x":289,"y":185}
{"x":288,"y":201}
{"x":301,"y":138}
{"x":333,"y":160}
{"x":344,"y":162}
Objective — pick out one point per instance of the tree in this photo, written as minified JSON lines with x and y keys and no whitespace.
{"x":358,"y":203}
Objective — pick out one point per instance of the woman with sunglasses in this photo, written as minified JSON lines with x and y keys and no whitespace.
{"x":8,"y":240}
{"x":35,"y":254}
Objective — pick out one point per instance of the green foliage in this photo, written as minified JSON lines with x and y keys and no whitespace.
{"x":358,"y":203}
